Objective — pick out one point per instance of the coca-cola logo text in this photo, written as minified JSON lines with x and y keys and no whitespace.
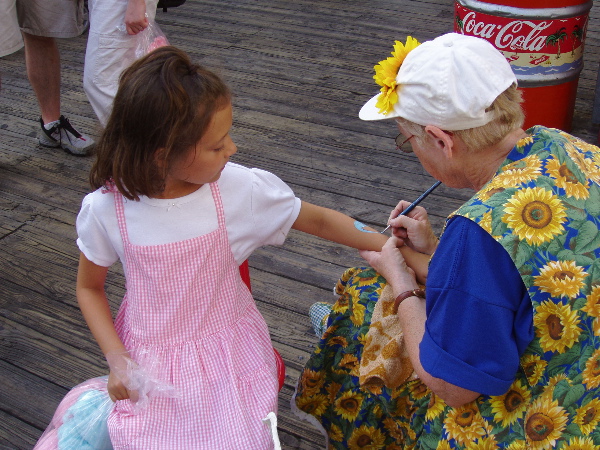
{"x":516,"y":34}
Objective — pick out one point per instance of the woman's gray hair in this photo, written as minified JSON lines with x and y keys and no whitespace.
{"x":508,"y":117}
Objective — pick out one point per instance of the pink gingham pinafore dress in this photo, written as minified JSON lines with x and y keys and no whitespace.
{"x":189,"y":319}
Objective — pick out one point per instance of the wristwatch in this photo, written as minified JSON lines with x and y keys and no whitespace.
{"x":412,"y":293}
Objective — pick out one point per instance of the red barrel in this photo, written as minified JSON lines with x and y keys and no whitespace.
{"x":543,"y":41}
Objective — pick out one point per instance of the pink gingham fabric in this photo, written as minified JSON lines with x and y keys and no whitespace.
{"x":189,"y":320}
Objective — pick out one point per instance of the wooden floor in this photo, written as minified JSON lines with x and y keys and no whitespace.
{"x":300,"y":70}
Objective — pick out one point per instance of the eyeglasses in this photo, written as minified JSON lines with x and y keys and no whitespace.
{"x":402,"y":143}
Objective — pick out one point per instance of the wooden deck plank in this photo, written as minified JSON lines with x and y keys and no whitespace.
{"x":15,"y":433}
{"x":300,"y":70}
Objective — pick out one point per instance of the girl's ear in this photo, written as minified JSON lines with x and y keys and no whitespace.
{"x":160,"y":163}
{"x":443,"y":140}
{"x":160,"y":158}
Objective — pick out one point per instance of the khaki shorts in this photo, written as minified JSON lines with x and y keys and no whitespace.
{"x":10,"y":36}
{"x":51,"y":18}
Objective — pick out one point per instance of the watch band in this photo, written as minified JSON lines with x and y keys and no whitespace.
{"x":412,"y":293}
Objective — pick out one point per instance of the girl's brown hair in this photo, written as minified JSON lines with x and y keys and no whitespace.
{"x":162,"y":108}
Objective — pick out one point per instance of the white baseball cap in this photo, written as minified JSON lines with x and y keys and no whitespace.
{"x":448,"y":82}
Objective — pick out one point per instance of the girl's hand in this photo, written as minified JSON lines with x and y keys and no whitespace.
{"x":116,"y":388}
{"x":135,"y":17}
{"x":414,"y":229}
{"x":120,"y":365}
{"x":391,"y":265}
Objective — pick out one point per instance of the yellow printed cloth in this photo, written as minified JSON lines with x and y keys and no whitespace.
{"x":385,"y":359}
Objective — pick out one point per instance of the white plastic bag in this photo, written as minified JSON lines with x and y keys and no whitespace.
{"x":147,"y":40}
{"x":79,"y":422}
{"x":150,"y":39}
{"x":141,"y":379}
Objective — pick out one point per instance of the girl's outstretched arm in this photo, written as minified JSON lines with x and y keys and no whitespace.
{"x":96,"y":312}
{"x":338,"y":227}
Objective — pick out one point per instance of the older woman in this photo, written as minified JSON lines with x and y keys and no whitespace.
{"x":505,"y":345}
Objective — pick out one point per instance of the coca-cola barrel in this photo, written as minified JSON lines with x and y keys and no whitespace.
{"x":543,"y":41}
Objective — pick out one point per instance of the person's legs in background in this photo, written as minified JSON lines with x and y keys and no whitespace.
{"x":43,"y":70}
{"x":110,"y":50}
{"x":41,"y":21}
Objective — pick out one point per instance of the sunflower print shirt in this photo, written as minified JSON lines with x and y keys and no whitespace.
{"x":543,"y":206}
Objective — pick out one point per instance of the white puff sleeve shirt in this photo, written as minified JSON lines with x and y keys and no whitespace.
{"x":259,"y":210}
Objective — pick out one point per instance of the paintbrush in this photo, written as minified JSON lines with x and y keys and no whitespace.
{"x":416,"y":202}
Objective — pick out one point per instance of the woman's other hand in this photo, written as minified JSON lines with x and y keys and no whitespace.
{"x":414,"y":229}
{"x":391,"y":265}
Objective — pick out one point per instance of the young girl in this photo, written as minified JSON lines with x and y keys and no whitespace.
{"x":181,"y":218}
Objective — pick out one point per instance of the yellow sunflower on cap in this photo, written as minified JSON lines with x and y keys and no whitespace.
{"x":386,"y":72}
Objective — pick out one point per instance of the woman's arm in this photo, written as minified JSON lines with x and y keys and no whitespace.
{"x":96,"y":312}
{"x":337,"y":227}
{"x":412,"y":315}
